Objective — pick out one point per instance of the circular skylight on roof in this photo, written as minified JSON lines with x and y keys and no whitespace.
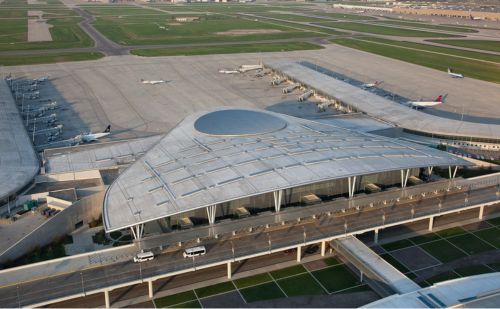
{"x":237,"y":122}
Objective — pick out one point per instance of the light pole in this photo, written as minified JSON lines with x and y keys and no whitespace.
{"x":140,"y":270}
{"x":345,"y":227}
{"x":412,"y":212}
{"x":83,"y":287}
{"x":269,"y":241}
{"x":304,"y":228}
{"x":440,"y":205}
{"x":466,"y":200}
{"x":18,"y":297}
{"x":232,"y":248}
{"x":383,"y":219}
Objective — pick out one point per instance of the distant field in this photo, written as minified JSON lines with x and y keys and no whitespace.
{"x":477,"y":44}
{"x":291,"y":17}
{"x":47,"y":58}
{"x":427,"y":26}
{"x":225,"y":49}
{"x":344,"y":16}
{"x":13,"y":31}
{"x":209,"y":29}
{"x":437,"y":49}
{"x":119,"y":10}
{"x":65,"y":34}
{"x":368,"y":28}
{"x":470,"y":68}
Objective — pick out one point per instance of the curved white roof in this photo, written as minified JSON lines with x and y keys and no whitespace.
{"x":189,"y":169}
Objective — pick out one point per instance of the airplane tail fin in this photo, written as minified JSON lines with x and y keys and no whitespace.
{"x":441,"y":98}
{"x":108,"y":129}
{"x":449,"y":70}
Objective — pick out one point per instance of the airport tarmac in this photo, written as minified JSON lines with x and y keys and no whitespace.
{"x":109,"y":91}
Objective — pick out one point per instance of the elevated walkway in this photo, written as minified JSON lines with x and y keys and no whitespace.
{"x":18,"y":160}
{"x":386,"y":279}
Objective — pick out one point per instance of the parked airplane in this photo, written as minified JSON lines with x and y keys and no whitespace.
{"x":41,"y":79}
{"x":226,"y":71}
{"x":153,"y":82}
{"x":250,"y":67}
{"x":90,"y":137}
{"x":455,"y":75}
{"x":371,"y":85}
{"x":417,"y":104}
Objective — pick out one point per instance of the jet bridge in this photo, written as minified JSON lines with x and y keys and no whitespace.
{"x":384,"y":278}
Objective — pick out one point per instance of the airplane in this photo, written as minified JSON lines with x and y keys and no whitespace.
{"x":41,"y":79}
{"x":455,"y":75}
{"x":371,"y":85}
{"x":439,"y":100}
{"x":153,"y":82}
{"x":90,"y":137}
{"x":225,"y":71}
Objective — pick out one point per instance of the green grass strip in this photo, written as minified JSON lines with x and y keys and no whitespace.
{"x":214,"y":289}
{"x":470,"y":68}
{"x":476,"y":44}
{"x":226,"y":49}
{"x":287,"y":272}
{"x":253,"y":280}
{"x":427,"y":26}
{"x":393,"y":31}
{"x":436,"y":49}
{"x":48,"y":58}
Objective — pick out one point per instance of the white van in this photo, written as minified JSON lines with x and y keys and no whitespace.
{"x":144,"y":256}
{"x":194,"y":251}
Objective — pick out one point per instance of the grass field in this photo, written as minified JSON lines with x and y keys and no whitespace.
{"x":393,"y":31}
{"x":214,"y":289}
{"x":48,"y":58}
{"x":470,"y":68}
{"x":427,"y":26}
{"x":299,"y":285}
{"x":404,"y":243}
{"x":251,"y":281}
{"x":65,"y":31}
{"x":225,"y":49}
{"x":209,"y":29}
{"x":261,"y":292}
{"x":436,"y":49}
{"x":470,"y":243}
{"x":345,"y":16}
{"x":291,"y":17}
{"x":286,"y":282}
{"x":443,"y":251}
{"x":455,"y":231}
{"x":287,"y":272}
{"x":336,"y":278}
{"x":476,"y":44}
{"x":492,"y":236}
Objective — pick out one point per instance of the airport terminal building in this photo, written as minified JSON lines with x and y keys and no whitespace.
{"x":230,"y":163}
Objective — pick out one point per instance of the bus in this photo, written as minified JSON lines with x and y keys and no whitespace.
{"x":194,"y":251}
{"x":144,"y":256}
